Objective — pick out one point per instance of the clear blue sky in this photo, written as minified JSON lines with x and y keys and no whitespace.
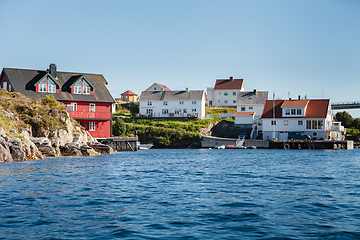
{"x":307,"y":47}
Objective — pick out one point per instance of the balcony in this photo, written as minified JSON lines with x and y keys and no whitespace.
{"x":90,"y":115}
{"x":337,"y":128}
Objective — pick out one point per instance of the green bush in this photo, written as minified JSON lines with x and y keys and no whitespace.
{"x":119,"y":127}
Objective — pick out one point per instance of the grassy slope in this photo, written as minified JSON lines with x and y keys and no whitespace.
{"x":35,"y":114}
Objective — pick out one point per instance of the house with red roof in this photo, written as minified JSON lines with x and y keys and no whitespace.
{"x":225,"y":92}
{"x":85,"y":95}
{"x":312,"y":117}
{"x":129,"y":96}
{"x":158,"y":87}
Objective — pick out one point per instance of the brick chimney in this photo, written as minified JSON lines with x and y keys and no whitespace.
{"x":52,"y":70}
{"x":231,"y":78}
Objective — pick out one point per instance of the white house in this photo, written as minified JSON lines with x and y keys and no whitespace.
{"x":158,"y":87}
{"x":225,"y":92}
{"x":183,"y":103}
{"x":250,"y":102}
{"x":311,"y":117}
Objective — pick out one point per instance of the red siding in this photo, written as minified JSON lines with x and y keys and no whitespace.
{"x":102,"y":128}
{"x":4,"y":79}
{"x":101,"y":117}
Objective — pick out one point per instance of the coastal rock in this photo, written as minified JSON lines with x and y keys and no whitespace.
{"x":101,"y":148}
{"x":88,"y":151}
{"x":5,"y":155}
{"x":16,"y":150}
{"x":2,"y":131}
{"x":71,"y":149}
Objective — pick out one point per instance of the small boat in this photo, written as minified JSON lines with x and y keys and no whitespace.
{"x":220,"y":147}
{"x":144,"y":146}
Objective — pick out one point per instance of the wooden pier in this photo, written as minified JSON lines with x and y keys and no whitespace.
{"x":121,"y":143}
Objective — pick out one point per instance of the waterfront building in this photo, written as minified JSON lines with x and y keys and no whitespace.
{"x":225,"y":92}
{"x":84,"y":95}
{"x":312,"y":117}
{"x":169,"y":104}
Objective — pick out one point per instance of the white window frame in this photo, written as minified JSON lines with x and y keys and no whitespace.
{"x":74,"y":107}
{"x":92,"y":126}
{"x":92,"y":107}
{"x":86,"y":90}
{"x":193,"y":110}
{"x":42,"y":88}
{"x":185,"y":110}
{"x":181,"y":102}
{"x":149,"y":103}
{"x":177,"y":111}
{"x":51,"y":88}
{"x":234,"y":101}
{"x":5,"y":85}
{"x":77,"y":89}
{"x":165,"y":111}
{"x":165,"y":103}
{"x":193,"y":102}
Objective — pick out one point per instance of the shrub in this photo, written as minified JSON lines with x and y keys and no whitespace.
{"x":119,"y":127}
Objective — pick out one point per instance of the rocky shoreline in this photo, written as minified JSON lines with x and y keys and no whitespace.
{"x":13,"y":149}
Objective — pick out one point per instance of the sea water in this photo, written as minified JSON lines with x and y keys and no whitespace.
{"x":184,"y":194}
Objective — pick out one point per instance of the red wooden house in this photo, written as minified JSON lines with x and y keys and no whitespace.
{"x":85,"y":95}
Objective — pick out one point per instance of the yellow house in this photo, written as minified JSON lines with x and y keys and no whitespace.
{"x":129,"y":96}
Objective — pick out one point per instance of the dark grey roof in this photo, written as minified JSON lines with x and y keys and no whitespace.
{"x":23,"y":80}
{"x":171,"y":95}
{"x":253,"y":97}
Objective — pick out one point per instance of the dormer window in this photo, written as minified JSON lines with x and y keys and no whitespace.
{"x":47,"y":85}
{"x":82,"y":87}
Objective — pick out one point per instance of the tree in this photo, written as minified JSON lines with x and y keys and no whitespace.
{"x":119,"y":127}
{"x":345,"y":118}
{"x":356,"y":123}
{"x":134,"y":109}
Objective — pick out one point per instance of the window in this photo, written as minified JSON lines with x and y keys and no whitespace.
{"x":185,"y":110}
{"x":308,"y":124}
{"x":314,"y":124}
{"x":298,"y":111}
{"x":154,"y":88}
{"x":219,"y":93}
{"x":286,"y":122}
{"x":251,"y":108}
{"x":273,"y":122}
{"x":314,"y":133}
{"x":74,"y":106}
{"x":193,"y":102}
{"x":242,"y":109}
{"x":77,"y":90}
{"x":218,"y":101}
{"x":92,"y":107}
{"x":293,"y":110}
{"x":149,"y":103}
{"x":165,"y":111}
{"x":287,"y":111}
{"x":5,"y":85}
{"x":225,"y":93}
{"x":82,"y":87}
{"x":92,"y":126}
{"x":234,"y":93}
{"x":126,"y":96}
{"x":177,"y":111}
{"x":225,"y":101}
{"x":320,"y":124}
{"x":300,"y":122}
{"x":47,"y":85}
{"x":234,"y":101}
{"x":149,"y":111}
{"x":181,"y":102}
{"x":165,"y":103}
{"x":193,"y":110}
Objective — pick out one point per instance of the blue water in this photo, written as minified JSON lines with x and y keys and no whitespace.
{"x":184,"y":194}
